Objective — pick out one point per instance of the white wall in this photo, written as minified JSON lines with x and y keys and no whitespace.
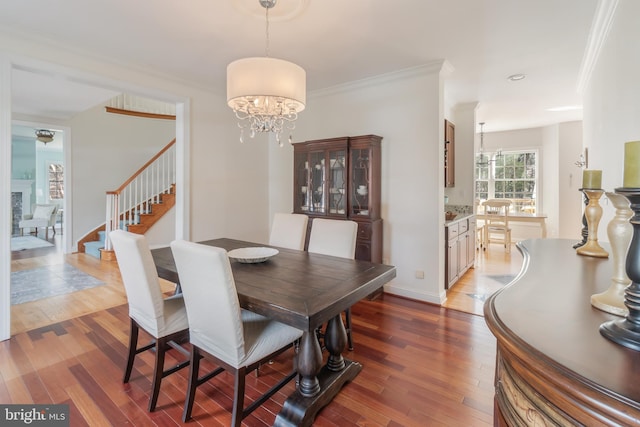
{"x":406,"y":110}
{"x":162,"y":231}
{"x":463,"y":117}
{"x":569,"y":181}
{"x":548,"y":185}
{"x":612,"y":102}
{"x":106,"y":149}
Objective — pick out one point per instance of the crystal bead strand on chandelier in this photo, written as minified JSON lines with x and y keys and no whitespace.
{"x":266,"y":94}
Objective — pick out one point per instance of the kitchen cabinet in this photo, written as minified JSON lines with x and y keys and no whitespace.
{"x":339,"y":178}
{"x":460,"y":252}
{"x":451,"y":255}
{"x":449,"y":154}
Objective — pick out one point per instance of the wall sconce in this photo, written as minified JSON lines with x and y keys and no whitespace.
{"x":583,"y":161}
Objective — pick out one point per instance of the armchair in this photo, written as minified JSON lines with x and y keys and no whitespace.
{"x":42,"y":216}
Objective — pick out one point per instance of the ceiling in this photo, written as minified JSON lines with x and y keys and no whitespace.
{"x":335,"y":41}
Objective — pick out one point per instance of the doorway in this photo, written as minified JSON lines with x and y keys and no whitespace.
{"x":12,"y":71}
{"x":37,"y":176}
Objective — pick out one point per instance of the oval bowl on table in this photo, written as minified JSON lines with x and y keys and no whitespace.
{"x":252,"y":255}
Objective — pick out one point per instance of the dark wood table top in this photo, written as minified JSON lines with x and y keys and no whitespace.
{"x":298,"y":288}
{"x":547,"y":314}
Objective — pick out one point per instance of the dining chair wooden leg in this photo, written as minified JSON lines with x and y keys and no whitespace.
{"x":193,"y":383}
{"x":238,"y":398}
{"x":133,"y":344}
{"x":348,"y":325}
{"x":158,"y":372}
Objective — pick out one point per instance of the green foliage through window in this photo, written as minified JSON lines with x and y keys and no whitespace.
{"x":509,"y":175}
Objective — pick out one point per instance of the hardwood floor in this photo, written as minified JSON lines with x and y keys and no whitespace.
{"x":35,"y":314}
{"x":423,"y":364}
{"x":494,"y":268}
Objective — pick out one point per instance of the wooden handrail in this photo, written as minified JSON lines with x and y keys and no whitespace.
{"x":140,"y":113}
{"x":139,"y":171}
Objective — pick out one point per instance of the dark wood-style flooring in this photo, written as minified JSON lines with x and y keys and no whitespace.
{"x":424,"y":365}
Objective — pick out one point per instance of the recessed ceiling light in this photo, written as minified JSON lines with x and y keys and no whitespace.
{"x":566,"y":108}
{"x":516,"y":77}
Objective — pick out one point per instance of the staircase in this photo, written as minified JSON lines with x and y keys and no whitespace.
{"x":137,"y":205}
{"x":93,"y":248}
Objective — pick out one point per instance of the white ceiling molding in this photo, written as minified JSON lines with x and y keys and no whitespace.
{"x":440,"y":66}
{"x":600,"y":27}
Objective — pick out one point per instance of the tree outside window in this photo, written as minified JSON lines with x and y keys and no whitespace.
{"x":56,"y":181}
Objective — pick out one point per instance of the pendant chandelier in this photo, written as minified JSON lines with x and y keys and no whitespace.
{"x":483,"y":159}
{"x":266,"y":94}
{"x":45,"y":136}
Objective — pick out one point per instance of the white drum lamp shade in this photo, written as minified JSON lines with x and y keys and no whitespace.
{"x":263,"y":83}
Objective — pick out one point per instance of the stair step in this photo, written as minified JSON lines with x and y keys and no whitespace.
{"x":93,"y":248}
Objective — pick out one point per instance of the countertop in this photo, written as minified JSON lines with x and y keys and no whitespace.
{"x":460,"y":217}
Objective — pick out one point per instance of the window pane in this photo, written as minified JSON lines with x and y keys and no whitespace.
{"x":509,"y":173}
{"x":56,"y":181}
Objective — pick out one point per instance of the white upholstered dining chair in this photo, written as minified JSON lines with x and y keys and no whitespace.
{"x":333,"y":237}
{"x":337,"y":238}
{"x":496,"y":213}
{"x":165,"y":319}
{"x":237,"y":340}
{"x":289,"y":231}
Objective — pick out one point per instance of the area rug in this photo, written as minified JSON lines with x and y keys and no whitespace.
{"x":21,"y":243}
{"x":502,"y":278}
{"x":49,"y":281}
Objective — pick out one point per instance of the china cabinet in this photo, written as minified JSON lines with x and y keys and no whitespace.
{"x":339,"y":178}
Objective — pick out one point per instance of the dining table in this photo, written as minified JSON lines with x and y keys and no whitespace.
{"x":306,"y":291}
{"x":536,"y":218}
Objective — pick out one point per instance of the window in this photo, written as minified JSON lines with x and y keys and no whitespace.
{"x":56,"y":181}
{"x":510,"y":175}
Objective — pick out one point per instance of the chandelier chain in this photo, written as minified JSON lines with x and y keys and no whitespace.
{"x":266,"y":49}
{"x":257,"y":94}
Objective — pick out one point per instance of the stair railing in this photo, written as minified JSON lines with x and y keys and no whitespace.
{"x":143,"y":188}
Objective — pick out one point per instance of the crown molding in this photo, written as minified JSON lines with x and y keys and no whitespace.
{"x":434,"y":67}
{"x":600,"y":27}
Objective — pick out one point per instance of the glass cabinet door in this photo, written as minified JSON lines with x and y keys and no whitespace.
{"x":337,"y":182}
{"x":316,"y":186}
{"x":360,"y":180}
{"x":302,"y":196}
